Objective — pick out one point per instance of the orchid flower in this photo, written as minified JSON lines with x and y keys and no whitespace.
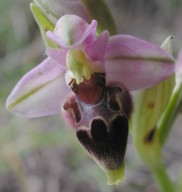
{"x":88,"y":79}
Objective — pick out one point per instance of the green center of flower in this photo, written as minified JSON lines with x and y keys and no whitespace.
{"x":76,"y":62}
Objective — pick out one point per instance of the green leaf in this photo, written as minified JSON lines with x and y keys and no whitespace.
{"x":170,"y":115}
{"x":44,"y":25}
{"x":171,"y":112}
{"x":148,"y":109}
{"x":150,"y":105}
{"x":49,"y":8}
{"x":55,"y":9}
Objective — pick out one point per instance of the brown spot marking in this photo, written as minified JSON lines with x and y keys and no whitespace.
{"x":151,"y":105}
{"x":150,"y":136}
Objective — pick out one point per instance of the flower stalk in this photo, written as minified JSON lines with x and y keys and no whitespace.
{"x":170,"y":115}
{"x":174,"y":106}
{"x":161,"y":176}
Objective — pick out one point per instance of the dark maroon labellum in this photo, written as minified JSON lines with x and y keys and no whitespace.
{"x":100,"y":114}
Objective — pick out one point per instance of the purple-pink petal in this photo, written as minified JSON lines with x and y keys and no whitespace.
{"x":54,"y":38}
{"x":40,"y":91}
{"x":136,"y":63}
{"x":89,"y":36}
{"x":72,"y":31}
{"x":58,"y":55}
{"x":97,"y":49}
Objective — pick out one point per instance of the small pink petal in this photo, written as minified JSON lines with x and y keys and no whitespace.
{"x":58,"y":56}
{"x":136,"y":63}
{"x":89,"y":36}
{"x":40,"y":91}
{"x":97,"y":49}
{"x":72,"y":31}
{"x":54,"y":38}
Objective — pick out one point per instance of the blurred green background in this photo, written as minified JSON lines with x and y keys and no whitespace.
{"x":43,"y":155}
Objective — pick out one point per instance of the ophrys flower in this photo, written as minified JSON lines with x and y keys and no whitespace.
{"x":88,"y":79}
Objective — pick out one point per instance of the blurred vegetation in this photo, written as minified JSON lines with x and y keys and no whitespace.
{"x":43,"y":155}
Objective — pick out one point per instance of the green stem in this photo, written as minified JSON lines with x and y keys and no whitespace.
{"x":170,"y":115}
{"x":162,"y":179}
